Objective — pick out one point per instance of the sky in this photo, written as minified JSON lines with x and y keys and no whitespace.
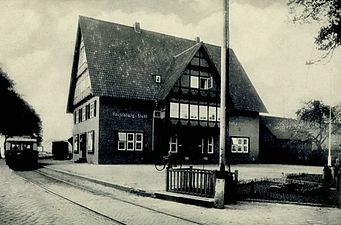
{"x":37,"y":40}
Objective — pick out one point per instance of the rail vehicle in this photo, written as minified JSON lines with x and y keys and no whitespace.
{"x":21,"y":152}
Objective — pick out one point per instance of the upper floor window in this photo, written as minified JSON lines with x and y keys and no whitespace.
{"x":92,"y":111}
{"x":194,"y":111}
{"x":174,"y":110}
{"x":194,"y":82}
{"x":205,"y":83}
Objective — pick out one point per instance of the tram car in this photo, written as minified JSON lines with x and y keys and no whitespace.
{"x":21,"y":152}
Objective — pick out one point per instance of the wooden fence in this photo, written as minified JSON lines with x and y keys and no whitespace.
{"x":191,"y":181}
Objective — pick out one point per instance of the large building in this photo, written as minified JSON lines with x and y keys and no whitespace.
{"x":137,"y":94}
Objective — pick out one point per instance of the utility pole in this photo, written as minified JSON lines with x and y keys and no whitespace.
{"x":224,"y":88}
{"x":330,"y":138}
{"x":219,"y":195}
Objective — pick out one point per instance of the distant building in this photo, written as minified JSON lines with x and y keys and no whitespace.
{"x":279,"y":143}
{"x":137,"y":94}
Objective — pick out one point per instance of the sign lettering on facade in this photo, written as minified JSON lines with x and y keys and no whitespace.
{"x":131,"y":115}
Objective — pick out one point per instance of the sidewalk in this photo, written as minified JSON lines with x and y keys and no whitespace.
{"x":146,"y":177}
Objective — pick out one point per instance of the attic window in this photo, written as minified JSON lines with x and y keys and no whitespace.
{"x":158,"y":79}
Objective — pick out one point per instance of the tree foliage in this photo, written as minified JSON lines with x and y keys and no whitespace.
{"x":17,"y":117}
{"x":328,"y":12}
{"x":313,"y":121}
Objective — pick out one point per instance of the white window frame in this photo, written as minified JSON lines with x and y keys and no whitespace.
{"x":122,"y":141}
{"x":76,"y":116}
{"x":157,"y":78}
{"x":194,"y":107}
{"x":130,"y":141}
{"x":238,"y":145}
{"x":210,"y":145}
{"x":172,"y":143}
{"x":212,"y":111}
{"x":203,"y":112}
{"x":207,"y":83}
{"x":194,"y":82}
{"x":184,"y":111}
{"x":92,"y":108}
{"x":83,"y":113}
{"x":174,"y":110}
{"x":75,"y":144}
{"x":90,"y":139}
{"x":138,"y":142}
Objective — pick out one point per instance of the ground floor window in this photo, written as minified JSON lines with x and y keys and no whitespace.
{"x":240,"y":144}
{"x":173,"y":144}
{"x":207,"y":145}
{"x":75,"y":144}
{"x":90,"y":141}
{"x":130,"y":141}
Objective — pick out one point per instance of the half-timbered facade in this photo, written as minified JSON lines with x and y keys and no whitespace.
{"x":137,"y":94}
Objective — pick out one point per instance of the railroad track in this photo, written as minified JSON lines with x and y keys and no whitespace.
{"x":50,"y":183}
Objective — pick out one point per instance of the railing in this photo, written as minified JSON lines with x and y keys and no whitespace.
{"x":191,"y":181}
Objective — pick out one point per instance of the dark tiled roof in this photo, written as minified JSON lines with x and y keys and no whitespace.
{"x":122,"y":63}
{"x":282,"y":128}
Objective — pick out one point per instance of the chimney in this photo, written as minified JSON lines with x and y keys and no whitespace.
{"x":137,"y":27}
{"x":197,"y":39}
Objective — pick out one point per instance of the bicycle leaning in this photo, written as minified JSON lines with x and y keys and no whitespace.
{"x":167,"y":161}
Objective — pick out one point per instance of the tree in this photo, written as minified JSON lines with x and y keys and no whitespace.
{"x":313,"y":121}
{"x":327,"y":12}
{"x":17,"y":117}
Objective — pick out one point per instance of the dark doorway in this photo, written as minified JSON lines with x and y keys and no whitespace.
{"x":82,"y":144}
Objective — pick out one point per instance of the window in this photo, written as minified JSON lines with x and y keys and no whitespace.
{"x":158,"y":79}
{"x":75,"y":144}
{"x":90,"y":141}
{"x":76,"y":116}
{"x":212,"y":111}
{"x":194,"y":112}
{"x":205,"y":83}
{"x":84,"y":113}
{"x":139,"y":141}
{"x":240,"y":145}
{"x":173,"y":144}
{"x":174,"y":110}
{"x":92,"y":111}
{"x":210,"y":145}
{"x":183,"y":111}
{"x":218,"y":114}
{"x":194,"y":82}
{"x":122,"y":141}
{"x":210,"y":148}
{"x":130,"y":141}
{"x":202,"y":112}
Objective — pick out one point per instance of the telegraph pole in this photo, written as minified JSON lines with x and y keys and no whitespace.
{"x":224,"y":88}
{"x":330,"y":137}
{"x":219,"y":194}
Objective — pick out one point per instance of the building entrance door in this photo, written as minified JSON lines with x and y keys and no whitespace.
{"x":192,"y":147}
{"x":82,"y":144}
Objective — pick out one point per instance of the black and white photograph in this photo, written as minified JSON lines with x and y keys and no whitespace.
{"x":170,"y":112}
